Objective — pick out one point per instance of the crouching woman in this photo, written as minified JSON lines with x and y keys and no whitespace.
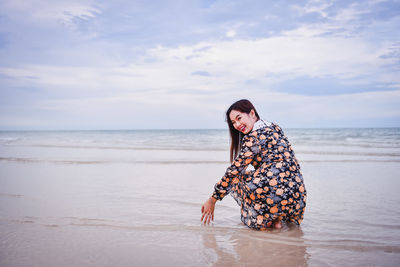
{"x":271,"y":193}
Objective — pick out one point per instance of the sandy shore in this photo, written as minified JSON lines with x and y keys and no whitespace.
{"x":149,"y":214}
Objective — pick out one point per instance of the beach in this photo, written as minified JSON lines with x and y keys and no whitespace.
{"x":133,"y":198}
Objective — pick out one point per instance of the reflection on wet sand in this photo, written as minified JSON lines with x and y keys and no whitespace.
{"x":246,"y":247}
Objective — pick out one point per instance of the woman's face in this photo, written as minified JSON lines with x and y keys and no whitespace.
{"x":243,"y":122}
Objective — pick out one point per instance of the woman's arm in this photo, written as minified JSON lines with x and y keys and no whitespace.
{"x":249,"y":149}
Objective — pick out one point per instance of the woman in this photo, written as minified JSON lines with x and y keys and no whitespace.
{"x":271,"y":193}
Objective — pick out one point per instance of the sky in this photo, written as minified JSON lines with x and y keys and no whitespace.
{"x":96,"y":64}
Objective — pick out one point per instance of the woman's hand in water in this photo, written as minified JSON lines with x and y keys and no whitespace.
{"x":207,"y":210}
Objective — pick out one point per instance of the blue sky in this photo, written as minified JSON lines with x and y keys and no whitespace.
{"x":180,"y":64}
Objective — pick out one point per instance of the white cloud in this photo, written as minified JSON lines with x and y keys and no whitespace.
{"x":350,"y":13}
{"x":230,"y":64}
{"x":230,"y":33}
{"x":348,"y":21}
{"x":46,"y":12}
{"x":318,"y":6}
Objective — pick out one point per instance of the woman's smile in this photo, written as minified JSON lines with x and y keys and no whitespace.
{"x":242,"y":121}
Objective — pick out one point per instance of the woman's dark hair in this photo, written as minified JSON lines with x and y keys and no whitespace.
{"x":244,"y":106}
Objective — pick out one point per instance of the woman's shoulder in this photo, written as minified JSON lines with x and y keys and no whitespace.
{"x":264,"y":125}
{"x":260,"y":124}
{"x":263,"y":128}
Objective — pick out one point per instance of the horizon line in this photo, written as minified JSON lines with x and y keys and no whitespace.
{"x":181,"y":129}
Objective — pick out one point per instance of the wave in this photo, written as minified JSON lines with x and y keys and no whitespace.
{"x":352,"y":153}
{"x":353,"y":160}
{"x":35,"y":160}
{"x":166,"y":162}
{"x":10,"y":195}
{"x":293,"y":236}
{"x":301,"y":149}
{"x":365,"y":144}
{"x":9,"y":140}
{"x":299,"y":152}
{"x":108,"y":223}
{"x":159,"y":148}
{"x":208,"y":147}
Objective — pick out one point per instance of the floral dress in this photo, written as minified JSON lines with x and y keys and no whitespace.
{"x":275,"y":187}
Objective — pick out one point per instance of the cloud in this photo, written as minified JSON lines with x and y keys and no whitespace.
{"x":231,"y":33}
{"x":47,"y":11}
{"x":317,"y":6}
{"x":312,"y":62}
{"x":201,"y":73}
{"x":272,"y":61}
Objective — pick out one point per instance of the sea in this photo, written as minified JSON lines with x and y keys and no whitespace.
{"x":134,"y":197}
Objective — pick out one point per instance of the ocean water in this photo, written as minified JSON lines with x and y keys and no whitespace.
{"x":133,"y":198}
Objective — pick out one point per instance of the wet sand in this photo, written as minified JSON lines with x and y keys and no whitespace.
{"x":149,"y":214}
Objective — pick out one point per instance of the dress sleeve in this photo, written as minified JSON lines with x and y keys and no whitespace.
{"x":249,"y":149}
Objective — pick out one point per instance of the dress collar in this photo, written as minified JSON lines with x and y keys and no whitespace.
{"x":261,"y":124}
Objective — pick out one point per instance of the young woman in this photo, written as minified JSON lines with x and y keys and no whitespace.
{"x":271,"y":193}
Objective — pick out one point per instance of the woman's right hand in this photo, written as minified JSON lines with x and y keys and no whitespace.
{"x":207,"y":210}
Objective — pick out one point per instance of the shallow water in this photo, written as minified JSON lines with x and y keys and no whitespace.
{"x":122,"y":198}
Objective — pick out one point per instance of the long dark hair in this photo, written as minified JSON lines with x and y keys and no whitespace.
{"x":244,"y":106}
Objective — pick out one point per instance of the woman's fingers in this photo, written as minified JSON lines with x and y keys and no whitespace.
{"x":208,"y":216}
{"x":211,"y":217}
{"x":207,"y":219}
{"x":207,"y":211}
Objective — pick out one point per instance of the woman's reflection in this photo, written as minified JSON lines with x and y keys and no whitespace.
{"x":244,"y":247}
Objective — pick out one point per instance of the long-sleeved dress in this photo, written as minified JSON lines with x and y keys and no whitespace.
{"x":274,"y":188}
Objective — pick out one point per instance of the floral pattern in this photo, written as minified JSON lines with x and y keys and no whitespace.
{"x":275,"y":187}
